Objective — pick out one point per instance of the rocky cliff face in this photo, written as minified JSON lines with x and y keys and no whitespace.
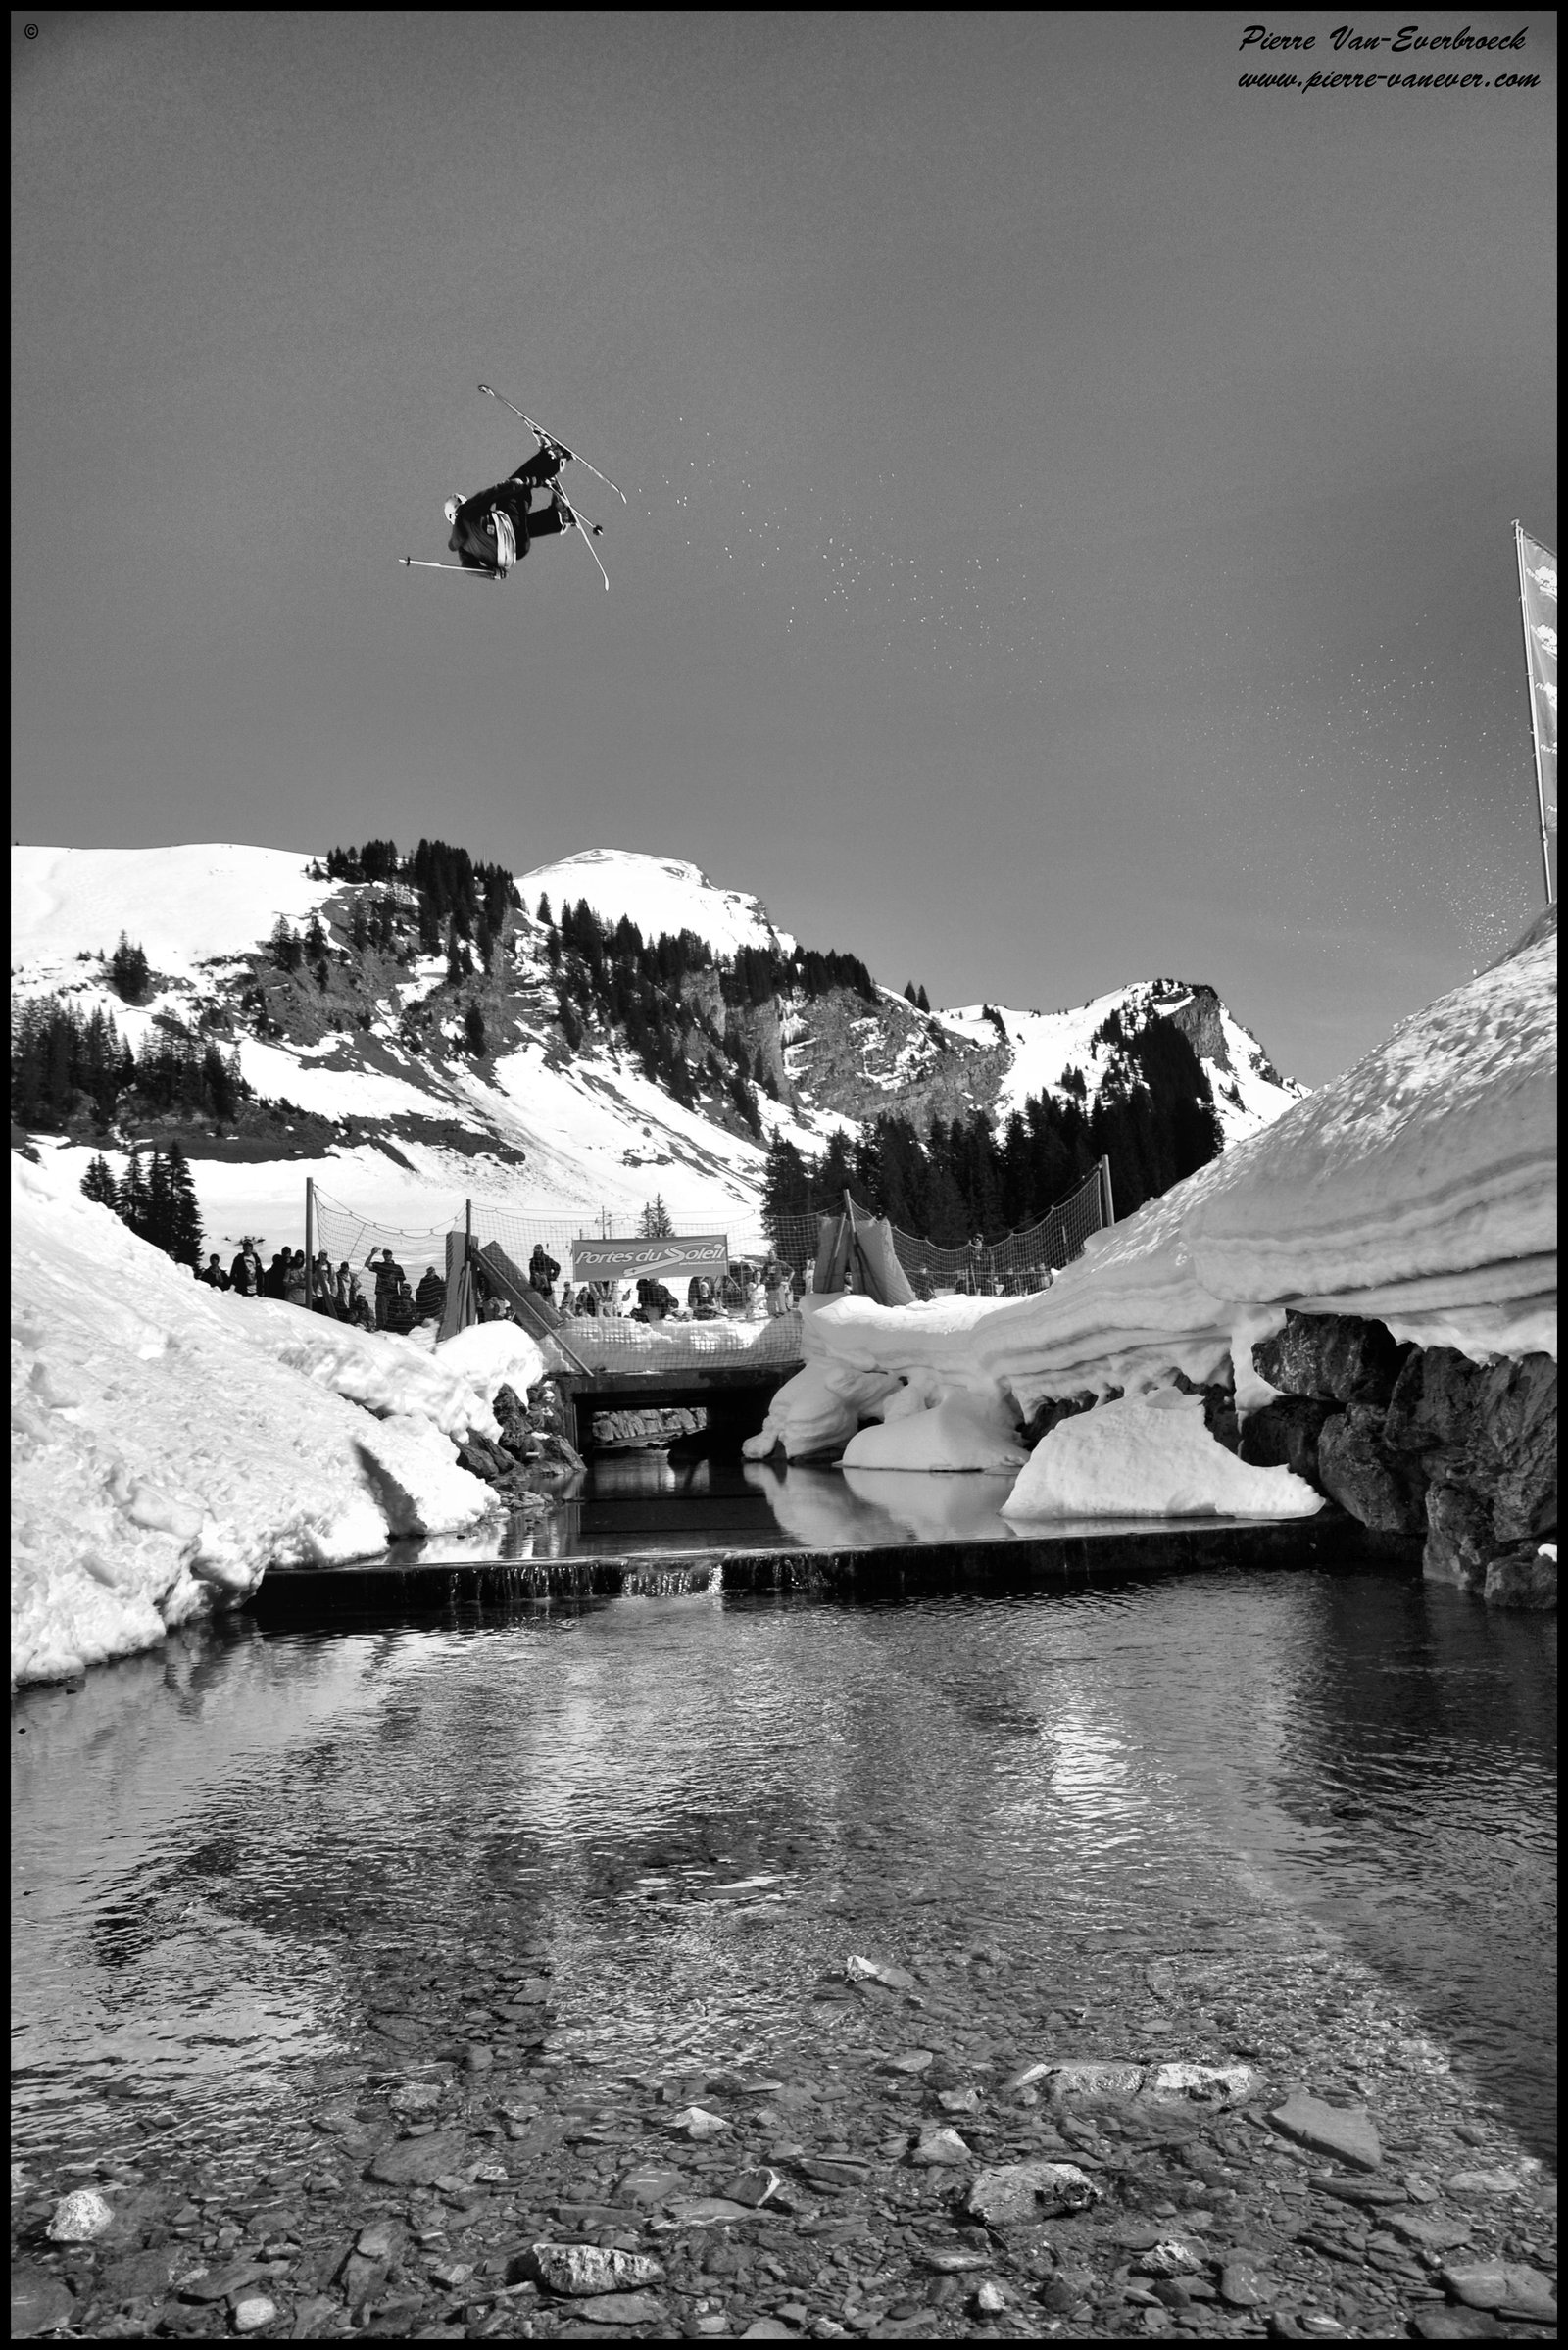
{"x":1423,"y":1443}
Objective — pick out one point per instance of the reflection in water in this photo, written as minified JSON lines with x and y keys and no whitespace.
{"x":1330,"y":1795}
{"x":938,"y":1509}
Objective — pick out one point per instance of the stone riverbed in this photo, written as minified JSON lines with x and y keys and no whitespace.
{"x":1169,"y":1958}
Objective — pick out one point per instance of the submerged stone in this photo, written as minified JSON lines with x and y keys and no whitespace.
{"x":1344,"y":2131}
{"x":1030,"y":2190}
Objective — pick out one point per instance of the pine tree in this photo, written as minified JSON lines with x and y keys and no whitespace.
{"x":922,"y":1002}
{"x":184,"y":1241}
{"x":128,"y":971}
{"x":132,"y":1201}
{"x":543,"y":912}
{"x":908,"y":991}
{"x":99,"y":1182}
{"x":473,"y":1030}
{"x":655,"y":1224}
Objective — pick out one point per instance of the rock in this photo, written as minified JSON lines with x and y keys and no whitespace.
{"x":583,"y":2269}
{"x":1370,"y":2194}
{"x":219,"y":2284}
{"x":141,"y":2275}
{"x":477,"y":2058}
{"x":1238,"y":2287}
{"x":81,"y":2216}
{"x":951,"y":2261}
{"x":768,"y":2329}
{"x":873,"y":1969}
{"x":1514,"y":1445}
{"x":1429,"y":2231}
{"x":941,"y":2147}
{"x":1525,"y":1578}
{"x":1234,"y":2083}
{"x":755,"y":2187}
{"x":959,"y":2101}
{"x":1502,"y":2283}
{"x":1285,"y":1434}
{"x":1433,"y":1402}
{"x":1025,"y":2076}
{"x":1483,"y":2182}
{"x":419,"y":2162}
{"x":990,"y":2299}
{"x":1453,"y":2324}
{"x":1094,"y":2077}
{"x":1029,"y":2190}
{"x":620,"y":2309}
{"x":1344,"y":2132}
{"x":913,"y":2060}
{"x":416,"y":2097}
{"x":649,"y":2186}
{"x":1356,"y":1470}
{"x":1162,"y":1980}
{"x":39,"y":2301}
{"x":253,"y":2313}
{"x":1459,"y":1537}
{"x":706,"y":2211}
{"x":1171,"y":2256}
{"x":377,"y":2241}
{"x":1332,"y":1356}
{"x":698,"y":2122}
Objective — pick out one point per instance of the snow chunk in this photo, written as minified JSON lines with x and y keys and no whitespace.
{"x":934,"y":1427}
{"x":817,"y":1411}
{"x":1150,"y":1456}
{"x":494,"y":1354}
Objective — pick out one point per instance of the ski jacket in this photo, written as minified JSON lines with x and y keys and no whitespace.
{"x":245,"y":1274}
{"x":474,"y":534}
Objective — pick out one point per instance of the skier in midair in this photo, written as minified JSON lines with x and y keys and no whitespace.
{"x":491,"y":530}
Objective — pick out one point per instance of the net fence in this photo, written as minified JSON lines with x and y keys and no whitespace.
{"x":758,"y":1326}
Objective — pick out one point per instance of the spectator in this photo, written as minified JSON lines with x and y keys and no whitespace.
{"x":213,"y":1274}
{"x":653,"y":1299}
{"x":430,"y":1297}
{"x":700,"y":1297}
{"x":586,"y":1306}
{"x":543,"y":1271}
{"x":361,"y":1312}
{"x":780,"y":1289}
{"x":324,"y":1287}
{"x":732,"y":1292}
{"x":296,"y":1281}
{"x":349,"y":1292}
{"x":388,"y":1273}
{"x":399,"y":1305}
{"x":245,"y":1273}
{"x":274,"y":1281}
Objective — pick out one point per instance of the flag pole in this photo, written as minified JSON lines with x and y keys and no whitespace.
{"x":1535,"y":722}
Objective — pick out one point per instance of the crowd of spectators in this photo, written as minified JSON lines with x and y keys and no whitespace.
{"x":745,"y":1292}
{"x":340,"y":1295}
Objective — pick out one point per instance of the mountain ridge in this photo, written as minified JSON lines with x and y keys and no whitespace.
{"x":360,"y":1059}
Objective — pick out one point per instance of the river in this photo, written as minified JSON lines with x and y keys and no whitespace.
{"x":1325,"y":1800}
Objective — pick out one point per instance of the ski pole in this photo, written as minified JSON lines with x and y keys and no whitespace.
{"x":542,"y":435}
{"x":413,"y":563}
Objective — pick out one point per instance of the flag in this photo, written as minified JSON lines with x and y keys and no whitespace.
{"x":1537,"y":594}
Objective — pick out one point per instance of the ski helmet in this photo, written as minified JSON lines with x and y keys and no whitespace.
{"x":450,"y":510}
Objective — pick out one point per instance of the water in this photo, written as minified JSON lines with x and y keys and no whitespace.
{"x":642,"y":1502}
{"x":1328,"y":1798}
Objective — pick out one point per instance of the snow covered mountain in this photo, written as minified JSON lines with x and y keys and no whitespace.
{"x":367,"y":1069}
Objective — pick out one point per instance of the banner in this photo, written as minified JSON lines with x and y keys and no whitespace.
{"x":1538,"y":593}
{"x":672,"y":1260}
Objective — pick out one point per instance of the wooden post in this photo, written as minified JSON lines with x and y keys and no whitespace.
{"x":309,"y":1236}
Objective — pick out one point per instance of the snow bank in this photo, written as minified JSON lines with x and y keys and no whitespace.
{"x":931,"y":1426}
{"x":169,"y":1443}
{"x":452,"y":1388}
{"x":1420,"y":1190}
{"x":1150,"y":1456}
{"x":186,"y":905}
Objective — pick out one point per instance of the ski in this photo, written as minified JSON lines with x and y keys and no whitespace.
{"x":578,"y":523}
{"x":554,"y":441}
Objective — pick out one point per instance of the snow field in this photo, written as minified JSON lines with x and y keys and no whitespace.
{"x":169,"y":1442}
{"x":660,"y":893}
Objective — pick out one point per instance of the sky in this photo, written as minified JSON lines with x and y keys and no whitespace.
{"x":1068,"y":494}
